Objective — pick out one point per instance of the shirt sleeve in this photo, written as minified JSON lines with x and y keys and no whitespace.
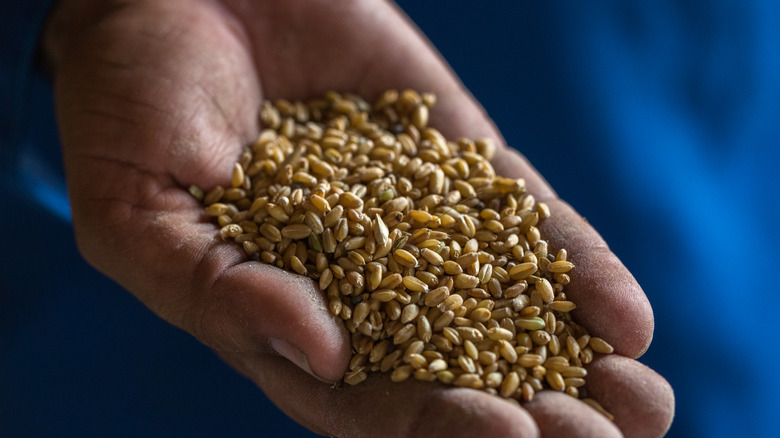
{"x":20,"y":26}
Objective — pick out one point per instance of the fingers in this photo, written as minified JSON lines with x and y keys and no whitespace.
{"x":610,"y":303}
{"x":640,"y":399}
{"x":379,"y":407}
{"x":560,"y":415}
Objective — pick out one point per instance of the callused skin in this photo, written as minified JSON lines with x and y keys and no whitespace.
{"x":153,"y":97}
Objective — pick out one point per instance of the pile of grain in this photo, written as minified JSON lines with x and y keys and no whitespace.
{"x":435,"y":263}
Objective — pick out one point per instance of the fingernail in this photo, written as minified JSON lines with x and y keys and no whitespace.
{"x":294,"y":355}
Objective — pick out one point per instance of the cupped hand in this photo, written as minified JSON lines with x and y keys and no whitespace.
{"x":155,"y":96}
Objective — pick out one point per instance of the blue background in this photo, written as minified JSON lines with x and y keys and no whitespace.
{"x":658,"y":121}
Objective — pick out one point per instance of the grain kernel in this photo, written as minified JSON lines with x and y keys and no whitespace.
{"x":600,"y":346}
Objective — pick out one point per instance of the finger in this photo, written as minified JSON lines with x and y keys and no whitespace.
{"x":609,"y":301}
{"x":559,"y":415}
{"x":379,"y":407}
{"x":640,"y":399}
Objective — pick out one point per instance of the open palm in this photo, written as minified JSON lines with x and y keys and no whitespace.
{"x":155,"y":96}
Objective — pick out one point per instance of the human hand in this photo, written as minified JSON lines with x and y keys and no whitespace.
{"x":155,"y":96}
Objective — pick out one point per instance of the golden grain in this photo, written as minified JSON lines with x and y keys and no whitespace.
{"x":384,"y":295}
{"x":414,"y":284}
{"x":443,"y":320}
{"x":560,"y":267}
{"x":562,"y":306}
{"x":422,"y":250}
{"x":404,"y":334}
{"x":522,"y":271}
{"x":545,"y":290}
{"x":555,"y":380}
{"x":424,"y":329}
{"x":404,"y":257}
{"x":600,"y":346}
{"x":465,"y":281}
{"x":595,"y":405}
{"x":481,"y":314}
{"x":296,"y":231}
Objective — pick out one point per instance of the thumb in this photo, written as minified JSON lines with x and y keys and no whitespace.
{"x":257,"y":306}
{"x":176,"y":264}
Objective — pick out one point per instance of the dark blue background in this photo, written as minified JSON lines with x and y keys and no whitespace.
{"x":657,"y":120}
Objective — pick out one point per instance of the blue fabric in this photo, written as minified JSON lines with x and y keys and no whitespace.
{"x":27,"y":158}
{"x":659,"y":121}
{"x":19,"y":25}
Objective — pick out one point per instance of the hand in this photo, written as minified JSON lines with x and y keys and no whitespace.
{"x":155,"y":96}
